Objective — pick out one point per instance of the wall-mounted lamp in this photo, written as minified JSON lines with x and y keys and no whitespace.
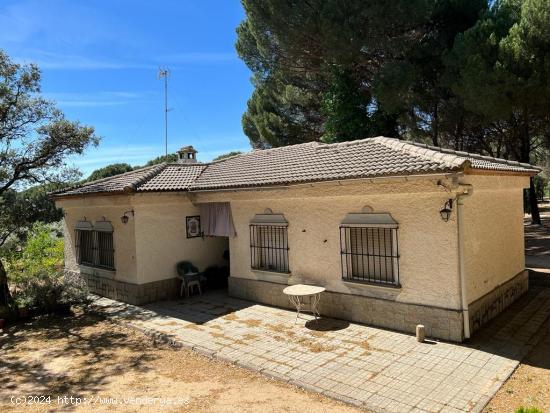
{"x":447,"y":210}
{"x":124,"y":218}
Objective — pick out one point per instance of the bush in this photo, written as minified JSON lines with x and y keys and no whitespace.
{"x":46,"y":293}
{"x":37,"y":276}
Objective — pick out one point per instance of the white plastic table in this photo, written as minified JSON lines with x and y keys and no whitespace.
{"x":304,"y":296}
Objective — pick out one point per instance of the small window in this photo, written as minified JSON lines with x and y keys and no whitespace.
{"x":85,"y":247}
{"x":105,"y":250}
{"x":94,"y":244}
{"x":269,"y":243}
{"x":369,"y":249}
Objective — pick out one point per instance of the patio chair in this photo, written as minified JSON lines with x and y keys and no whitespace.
{"x":190,"y":277}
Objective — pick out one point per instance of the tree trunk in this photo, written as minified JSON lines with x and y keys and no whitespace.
{"x":533,"y":204}
{"x":525,"y":156}
{"x":435,"y":127}
{"x":5,"y":296}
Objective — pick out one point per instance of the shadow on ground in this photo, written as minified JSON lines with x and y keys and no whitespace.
{"x":77,"y":341}
{"x":326,"y":324}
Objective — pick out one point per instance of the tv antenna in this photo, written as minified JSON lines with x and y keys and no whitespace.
{"x":165,"y":73}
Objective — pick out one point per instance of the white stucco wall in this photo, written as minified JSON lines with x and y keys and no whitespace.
{"x":427,"y":245}
{"x":149,"y":246}
{"x":493,"y":232}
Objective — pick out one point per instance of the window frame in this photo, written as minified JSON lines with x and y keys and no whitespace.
{"x":269,"y":243}
{"x":95,"y":250}
{"x":373,"y":258}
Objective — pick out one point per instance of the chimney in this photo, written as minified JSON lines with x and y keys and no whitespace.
{"x":187,"y":154}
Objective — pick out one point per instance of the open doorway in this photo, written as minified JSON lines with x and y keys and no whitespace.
{"x":217,"y":274}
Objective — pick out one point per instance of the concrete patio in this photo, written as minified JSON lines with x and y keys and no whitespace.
{"x":372,"y":368}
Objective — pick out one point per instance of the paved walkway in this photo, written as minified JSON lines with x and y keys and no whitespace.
{"x":537,"y":241}
{"x":380,"y":370}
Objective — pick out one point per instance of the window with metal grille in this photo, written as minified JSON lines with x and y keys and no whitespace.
{"x":370,"y":254}
{"x":85,"y":247}
{"x":269,"y":248}
{"x":94,"y":246}
{"x":105,"y":250}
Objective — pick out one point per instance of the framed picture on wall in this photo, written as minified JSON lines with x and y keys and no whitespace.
{"x":193,"y":226}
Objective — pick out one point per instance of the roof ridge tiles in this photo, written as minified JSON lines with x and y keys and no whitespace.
{"x":476,"y":156}
{"x":275,"y":149}
{"x":101,"y":180}
{"x":423,"y":151}
{"x":187,"y":164}
{"x":151,"y":174}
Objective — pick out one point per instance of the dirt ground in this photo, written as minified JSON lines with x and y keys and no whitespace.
{"x":92,"y":358}
{"x":529,"y":386}
{"x":530,"y":383}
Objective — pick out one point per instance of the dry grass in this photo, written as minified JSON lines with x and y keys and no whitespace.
{"x":88,"y":356}
{"x":529,"y":386}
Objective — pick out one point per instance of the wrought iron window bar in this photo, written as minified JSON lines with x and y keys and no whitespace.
{"x":370,"y":255}
{"x":95,"y":249}
{"x":269,"y":248}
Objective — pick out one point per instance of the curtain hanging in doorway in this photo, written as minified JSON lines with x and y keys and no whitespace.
{"x":216,"y":220}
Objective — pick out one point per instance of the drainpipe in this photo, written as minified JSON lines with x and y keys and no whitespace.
{"x":468,"y":190}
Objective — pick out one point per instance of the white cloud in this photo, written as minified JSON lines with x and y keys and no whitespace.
{"x":52,"y":60}
{"x":98,"y":99}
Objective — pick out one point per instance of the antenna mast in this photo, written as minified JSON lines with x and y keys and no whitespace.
{"x":164,"y":73}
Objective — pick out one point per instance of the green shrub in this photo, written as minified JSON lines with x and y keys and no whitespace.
{"x":37,"y":275}
{"x":42,"y":254}
{"x":528,"y":410}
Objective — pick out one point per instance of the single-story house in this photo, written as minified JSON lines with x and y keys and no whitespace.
{"x":398,"y":233}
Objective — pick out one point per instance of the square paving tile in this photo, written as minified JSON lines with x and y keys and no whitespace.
{"x":382,"y":369}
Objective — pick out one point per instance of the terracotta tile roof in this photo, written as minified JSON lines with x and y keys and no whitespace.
{"x":364,"y":158}
{"x":161,"y":177}
{"x":174,"y":177}
{"x":482,"y":162}
{"x":308,"y":162}
{"x":119,"y":183}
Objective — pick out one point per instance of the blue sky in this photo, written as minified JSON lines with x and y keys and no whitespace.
{"x":100,"y":59}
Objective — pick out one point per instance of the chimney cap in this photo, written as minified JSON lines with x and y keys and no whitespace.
{"x":187,"y":149}
{"x":187,"y":154}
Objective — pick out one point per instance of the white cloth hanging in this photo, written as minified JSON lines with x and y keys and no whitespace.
{"x":216,"y":219}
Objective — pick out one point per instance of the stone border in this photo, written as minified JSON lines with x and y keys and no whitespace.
{"x":135,"y":294}
{"x":487,"y":307}
{"x":440,"y":323}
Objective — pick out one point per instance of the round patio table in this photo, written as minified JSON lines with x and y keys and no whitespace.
{"x":305,"y":298}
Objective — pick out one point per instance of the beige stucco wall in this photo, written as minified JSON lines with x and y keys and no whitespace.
{"x":493,"y":232}
{"x":149,"y":246}
{"x":427,"y":245}
{"x":95,"y":209}
{"x":161,"y":240}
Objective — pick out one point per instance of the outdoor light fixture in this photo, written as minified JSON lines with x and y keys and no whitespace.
{"x":447,"y":210}
{"x":124,"y":218}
